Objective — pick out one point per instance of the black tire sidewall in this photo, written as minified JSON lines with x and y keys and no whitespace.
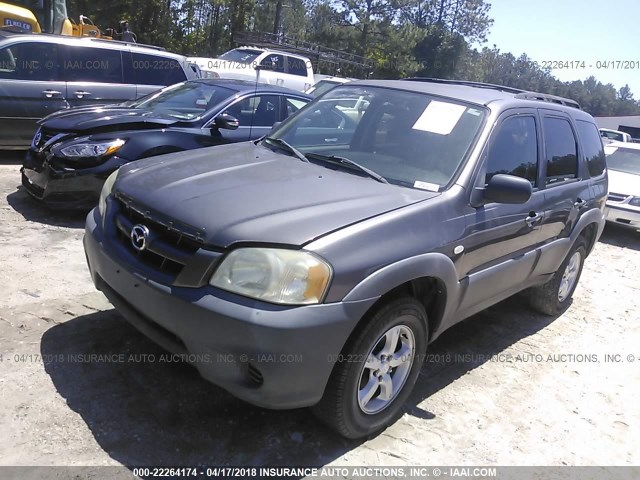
{"x":406,"y":312}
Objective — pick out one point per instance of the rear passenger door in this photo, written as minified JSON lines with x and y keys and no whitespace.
{"x":296,"y":77}
{"x":501,"y":239}
{"x":151,"y":72}
{"x":95,"y":76}
{"x":31,"y":87}
{"x":566,"y":197}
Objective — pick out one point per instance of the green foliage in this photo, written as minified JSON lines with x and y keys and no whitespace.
{"x":403,"y":37}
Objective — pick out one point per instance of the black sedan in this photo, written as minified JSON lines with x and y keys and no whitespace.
{"x":75,"y":150}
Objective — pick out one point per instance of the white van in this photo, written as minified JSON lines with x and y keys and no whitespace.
{"x":279,"y":68}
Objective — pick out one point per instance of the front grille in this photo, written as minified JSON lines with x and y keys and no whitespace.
{"x":617,"y":197}
{"x":169,"y":246}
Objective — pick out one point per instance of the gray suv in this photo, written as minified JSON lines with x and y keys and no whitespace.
{"x":40,"y":74}
{"x":313,"y":267}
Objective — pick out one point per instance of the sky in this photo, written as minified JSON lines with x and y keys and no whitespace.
{"x":572,"y":30}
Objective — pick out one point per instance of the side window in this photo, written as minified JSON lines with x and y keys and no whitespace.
{"x":296,"y":66}
{"x":30,"y":61}
{"x":87,"y":64}
{"x":293,"y":105}
{"x":155,"y":70}
{"x":274,"y":62}
{"x":514,"y":149}
{"x":9,"y":62}
{"x":258,"y":111}
{"x":561,"y":151}
{"x":592,"y":146}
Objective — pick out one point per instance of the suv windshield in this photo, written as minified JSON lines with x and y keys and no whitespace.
{"x":409,"y":138}
{"x":240,"y":55}
{"x":186,"y":100}
{"x":624,"y":160}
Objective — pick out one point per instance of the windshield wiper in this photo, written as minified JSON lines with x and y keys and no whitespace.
{"x":290,"y":148}
{"x":348,"y":161}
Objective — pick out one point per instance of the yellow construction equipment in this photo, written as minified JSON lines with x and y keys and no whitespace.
{"x":46,"y":16}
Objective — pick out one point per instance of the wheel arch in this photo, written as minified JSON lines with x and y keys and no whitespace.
{"x":430,"y":278}
{"x":589,"y":227}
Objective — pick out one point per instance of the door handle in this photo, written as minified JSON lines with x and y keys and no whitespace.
{"x":533,"y":218}
{"x":50,"y":93}
{"x":81,"y":93}
{"x":579,"y":203}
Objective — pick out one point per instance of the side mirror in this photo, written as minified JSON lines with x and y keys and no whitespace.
{"x":274,"y":127}
{"x":226,"y":121}
{"x":507,"y":189}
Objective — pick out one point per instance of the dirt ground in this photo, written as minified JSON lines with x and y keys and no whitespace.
{"x":506,"y":387}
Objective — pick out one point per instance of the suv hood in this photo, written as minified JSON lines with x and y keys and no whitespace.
{"x":247,"y":193}
{"x":104,"y":118}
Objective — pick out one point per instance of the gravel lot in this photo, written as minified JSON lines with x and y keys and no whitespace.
{"x":506,"y":387}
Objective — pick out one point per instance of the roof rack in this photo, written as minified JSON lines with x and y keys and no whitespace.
{"x":548,"y":98}
{"x":467,"y":83}
{"x":120,"y":42}
{"x":519,"y":93}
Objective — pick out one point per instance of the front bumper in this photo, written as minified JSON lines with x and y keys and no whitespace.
{"x":623,"y":215}
{"x":268,"y":355}
{"x":58,"y":188}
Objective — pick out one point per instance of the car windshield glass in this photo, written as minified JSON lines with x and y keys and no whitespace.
{"x":409,"y":138}
{"x":240,"y":55}
{"x":186,"y":100}
{"x":624,"y":159}
{"x":612,"y":136}
{"x":321,"y":87}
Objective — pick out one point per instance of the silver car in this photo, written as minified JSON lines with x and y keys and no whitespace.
{"x":41,"y":74}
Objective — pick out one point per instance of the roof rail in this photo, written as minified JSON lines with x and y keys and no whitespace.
{"x":467,"y":83}
{"x":519,"y":93}
{"x":120,"y":42}
{"x":548,"y":98}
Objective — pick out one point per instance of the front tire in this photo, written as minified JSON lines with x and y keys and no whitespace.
{"x":376,"y":370}
{"x":554,"y":297}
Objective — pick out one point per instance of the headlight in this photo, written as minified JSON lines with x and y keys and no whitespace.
{"x":91,"y":149}
{"x":635,"y":201}
{"x":106,"y":191}
{"x":275,"y":275}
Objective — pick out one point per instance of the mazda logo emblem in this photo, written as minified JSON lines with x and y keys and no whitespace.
{"x":139,"y":237}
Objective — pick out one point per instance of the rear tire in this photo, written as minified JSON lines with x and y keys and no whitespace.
{"x":376,"y":370}
{"x":554,"y":297}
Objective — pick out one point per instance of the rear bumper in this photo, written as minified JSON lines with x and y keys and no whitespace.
{"x":623,"y":215}
{"x":268,"y":355}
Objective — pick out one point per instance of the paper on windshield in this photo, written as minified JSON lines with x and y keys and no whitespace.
{"x":439,"y":117}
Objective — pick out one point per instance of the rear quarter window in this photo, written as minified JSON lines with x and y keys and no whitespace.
{"x":592,"y":147}
{"x":296,"y":66}
{"x":156,"y":70}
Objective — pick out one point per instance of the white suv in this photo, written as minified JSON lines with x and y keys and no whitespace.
{"x":278,"y":68}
